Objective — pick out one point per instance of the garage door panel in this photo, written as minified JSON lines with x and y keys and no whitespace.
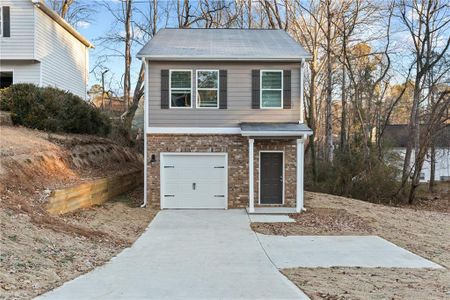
{"x":180,"y":172}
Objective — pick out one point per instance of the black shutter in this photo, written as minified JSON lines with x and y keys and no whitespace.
{"x":255,"y":89}
{"x":287,"y":89}
{"x":6,"y":21}
{"x":164,"y":89}
{"x":223,"y":89}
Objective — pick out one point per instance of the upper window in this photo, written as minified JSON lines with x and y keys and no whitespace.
{"x":271,"y":89}
{"x":180,"y":88}
{"x":207,"y":88}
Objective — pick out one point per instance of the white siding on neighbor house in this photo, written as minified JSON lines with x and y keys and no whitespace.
{"x":63,"y":57}
{"x":23,"y":71}
{"x":21,"y":43}
{"x":239,"y":96}
{"x":442,"y":163}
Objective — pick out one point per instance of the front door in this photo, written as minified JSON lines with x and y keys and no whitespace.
{"x":271,"y":176}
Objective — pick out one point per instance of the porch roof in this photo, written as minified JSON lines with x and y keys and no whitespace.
{"x":275,"y":129}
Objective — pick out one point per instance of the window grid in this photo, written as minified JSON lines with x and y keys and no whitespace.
{"x":207,"y":89}
{"x":179,"y":89}
{"x":270,"y":89}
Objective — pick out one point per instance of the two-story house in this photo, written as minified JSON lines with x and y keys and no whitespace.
{"x":38,"y":46}
{"x":224,"y":119}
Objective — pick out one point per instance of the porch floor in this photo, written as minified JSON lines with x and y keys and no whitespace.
{"x":272,"y":211}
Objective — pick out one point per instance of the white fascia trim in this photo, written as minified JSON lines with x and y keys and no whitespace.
{"x":212,"y":58}
{"x":275,"y":133}
{"x":194,"y":130}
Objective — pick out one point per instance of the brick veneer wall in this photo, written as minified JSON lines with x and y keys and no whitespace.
{"x":237,"y":148}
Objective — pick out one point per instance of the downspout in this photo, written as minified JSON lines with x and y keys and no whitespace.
{"x":302,"y":75}
{"x":145,"y":131}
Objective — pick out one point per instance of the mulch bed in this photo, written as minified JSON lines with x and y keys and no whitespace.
{"x":318,"y":221}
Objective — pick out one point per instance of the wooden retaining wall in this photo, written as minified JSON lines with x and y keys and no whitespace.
{"x":92,"y":193}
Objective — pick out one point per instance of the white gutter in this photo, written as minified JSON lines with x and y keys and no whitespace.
{"x":145,"y":131}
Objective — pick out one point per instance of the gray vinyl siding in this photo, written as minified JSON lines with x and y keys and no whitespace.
{"x":62,"y":56}
{"x":239,"y":97}
{"x":20,"y":45}
{"x":23,"y":71}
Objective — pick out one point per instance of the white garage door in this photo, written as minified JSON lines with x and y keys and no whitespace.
{"x":194,"y":180}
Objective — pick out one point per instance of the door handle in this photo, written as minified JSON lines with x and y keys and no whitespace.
{"x":194,"y":185}
{"x":281,"y":178}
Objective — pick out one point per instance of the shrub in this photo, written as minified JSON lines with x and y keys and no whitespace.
{"x":51,"y":109}
{"x":353,"y":175}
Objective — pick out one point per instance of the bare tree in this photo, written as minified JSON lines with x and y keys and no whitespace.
{"x":427,"y":23}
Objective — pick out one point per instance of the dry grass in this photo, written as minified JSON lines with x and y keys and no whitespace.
{"x":423,"y":232}
{"x":36,"y":258}
{"x":371,"y":283}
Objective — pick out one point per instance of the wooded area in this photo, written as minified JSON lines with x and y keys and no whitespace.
{"x":373,"y":63}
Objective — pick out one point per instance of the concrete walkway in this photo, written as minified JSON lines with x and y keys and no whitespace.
{"x":342,"y":251}
{"x":190,"y":254}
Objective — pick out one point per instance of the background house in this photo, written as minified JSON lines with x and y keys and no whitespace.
{"x":38,"y":46}
{"x":397,"y":137}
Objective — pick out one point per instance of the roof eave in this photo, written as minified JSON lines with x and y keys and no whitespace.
{"x":208,"y":58}
{"x":49,"y":12}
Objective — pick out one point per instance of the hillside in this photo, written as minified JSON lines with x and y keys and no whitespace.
{"x":40,"y":251}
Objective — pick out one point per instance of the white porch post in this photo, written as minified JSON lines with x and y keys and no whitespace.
{"x":300,"y":162}
{"x":251,"y":200}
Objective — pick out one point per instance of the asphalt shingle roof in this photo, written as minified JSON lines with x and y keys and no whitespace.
{"x":223,"y":44}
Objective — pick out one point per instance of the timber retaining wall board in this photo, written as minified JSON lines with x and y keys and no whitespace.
{"x":92,"y":193}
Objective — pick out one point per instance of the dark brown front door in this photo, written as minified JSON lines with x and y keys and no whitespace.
{"x":271,"y":178}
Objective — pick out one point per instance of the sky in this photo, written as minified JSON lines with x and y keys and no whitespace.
{"x":100,"y":23}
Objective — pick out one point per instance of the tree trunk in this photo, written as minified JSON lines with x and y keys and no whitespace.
{"x":412,"y":132}
{"x":138,"y":94}
{"x":329,"y":116}
{"x":312,"y":117}
{"x":343,"y":113}
{"x":127,"y":76}
{"x":432,"y":167}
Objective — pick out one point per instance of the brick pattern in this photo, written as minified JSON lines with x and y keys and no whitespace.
{"x":237,"y":148}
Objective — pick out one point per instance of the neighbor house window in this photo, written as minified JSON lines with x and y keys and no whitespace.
{"x":181,"y":88}
{"x":208,"y":88}
{"x":1,"y":21}
{"x":271,"y":89}
{"x":6,"y":79}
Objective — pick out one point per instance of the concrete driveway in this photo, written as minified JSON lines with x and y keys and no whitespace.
{"x":189,"y":254}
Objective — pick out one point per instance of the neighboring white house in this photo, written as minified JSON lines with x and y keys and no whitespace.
{"x":38,"y":46}
{"x":397,"y":137}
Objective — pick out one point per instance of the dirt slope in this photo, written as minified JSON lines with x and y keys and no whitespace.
{"x":40,"y":251}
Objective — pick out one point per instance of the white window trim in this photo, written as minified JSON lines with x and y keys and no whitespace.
{"x":178,"y":89}
{"x":259,"y":176}
{"x":197,"y":104}
{"x":261,"y":89}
